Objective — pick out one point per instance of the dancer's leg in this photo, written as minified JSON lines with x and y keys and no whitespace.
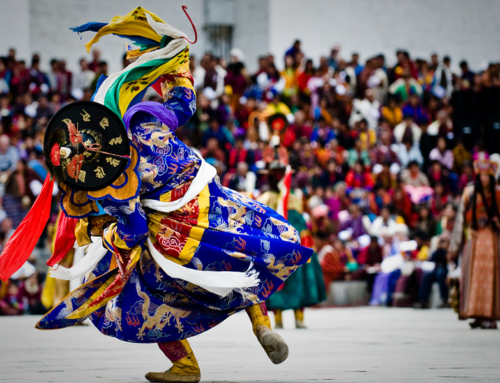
{"x":185,"y":367}
{"x":299,"y":318}
{"x":274,"y":345}
{"x":278,"y":319}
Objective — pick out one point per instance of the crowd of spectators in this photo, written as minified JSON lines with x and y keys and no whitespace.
{"x":377,"y":160}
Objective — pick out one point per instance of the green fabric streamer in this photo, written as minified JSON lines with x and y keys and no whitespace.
{"x":111,"y":100}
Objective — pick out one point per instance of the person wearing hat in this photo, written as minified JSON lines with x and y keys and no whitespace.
{"x":477,"y":234}
{"x":180,"y":253}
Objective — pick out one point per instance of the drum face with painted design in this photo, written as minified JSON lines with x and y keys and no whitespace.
{"x":86,"y":146}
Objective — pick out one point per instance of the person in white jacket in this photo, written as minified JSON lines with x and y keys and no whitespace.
{"x":384,"y":220}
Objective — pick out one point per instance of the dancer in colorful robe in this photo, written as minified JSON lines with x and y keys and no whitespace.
{"x":477,"y":227}
{"x":305,"y":287}
{"x":181,"y":253}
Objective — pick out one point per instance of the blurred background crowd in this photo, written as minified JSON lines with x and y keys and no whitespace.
{"x":380,"y":155}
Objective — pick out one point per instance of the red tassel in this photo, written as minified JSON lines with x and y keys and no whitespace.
{"x":23,"y":241}
{"x":65,"y":238}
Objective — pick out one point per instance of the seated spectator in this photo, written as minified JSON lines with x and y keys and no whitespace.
{"x":402,"y":203}
{"x":354,"y":224}
{"x":10,"y":304}
{"x":386,"y":175}
{"x":366,"y":109}
{"x":338,"y":263}
{"x":467,"y":177}
{"x":439,"y":199}
{"x":447,"y":220}
{"x":384,"y":220}
{"x":392,"y":112}
{"x":384,"y":152}
{"x":442,"y":154}
{"x":403,"y":87}
{"x":425,"y":222}
{"x":217,"y":131}
{"x":437,"y":174}
{"x":332,"y":174}
{"x":366,"y":134}
{"x":30,"y":293}
{"x":443,"y":126}
{"x":407,"y":129}
{"x":408,"y":152}
{"x":237,"y":154}
{"x":461,"y":156}
{"x":322,"y":132}
{"x":359,"y":177}
{"x":413,"y":176}
{"x":415,"y":109}
{"x":337,"y":152}
{"x":438,"y":275}
{"x":212,"y":150}
{"x":378,"y":198}
{"x":357,"y":154}
{"x":369,"y":259}
{"x":238,"y":181}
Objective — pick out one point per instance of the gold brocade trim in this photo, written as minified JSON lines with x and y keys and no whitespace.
{"x":126,"y":186}
{"x":85,"y":310}
{"x":75,"y":203}
{"x":82,"y":233}
{"x":98,"y":223}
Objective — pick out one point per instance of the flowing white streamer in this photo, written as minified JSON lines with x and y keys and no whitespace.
{"x":95,"y":253}
{"x":222,"y":283}
{"x":205,"y":174}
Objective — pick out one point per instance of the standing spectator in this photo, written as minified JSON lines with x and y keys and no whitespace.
{"x":444,"y":76}
{"x":21,"y":189}
{"x":354,"y":64}
{"x":83,"y":80}
{"x":467,"y":76}
{"x":96,"y":60}
{"x":9,"y":155}
{"x":438,"y":275}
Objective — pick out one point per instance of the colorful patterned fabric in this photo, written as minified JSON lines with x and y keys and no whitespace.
{"x":219,"y":230}
{"x":159,"y":54}
{"x":305,"y":287}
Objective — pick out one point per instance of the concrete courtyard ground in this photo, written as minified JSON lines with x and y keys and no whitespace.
{"x":342,"y":345}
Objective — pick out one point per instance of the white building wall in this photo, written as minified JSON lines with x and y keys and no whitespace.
{"x":51,"y":19}
{"x":463,"y":29}
{"x":251,"y":33}
{"x":15,"y":28}
{"x":43,"y":26}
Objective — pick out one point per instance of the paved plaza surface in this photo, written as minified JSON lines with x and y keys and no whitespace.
{"x":342,"y":345}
